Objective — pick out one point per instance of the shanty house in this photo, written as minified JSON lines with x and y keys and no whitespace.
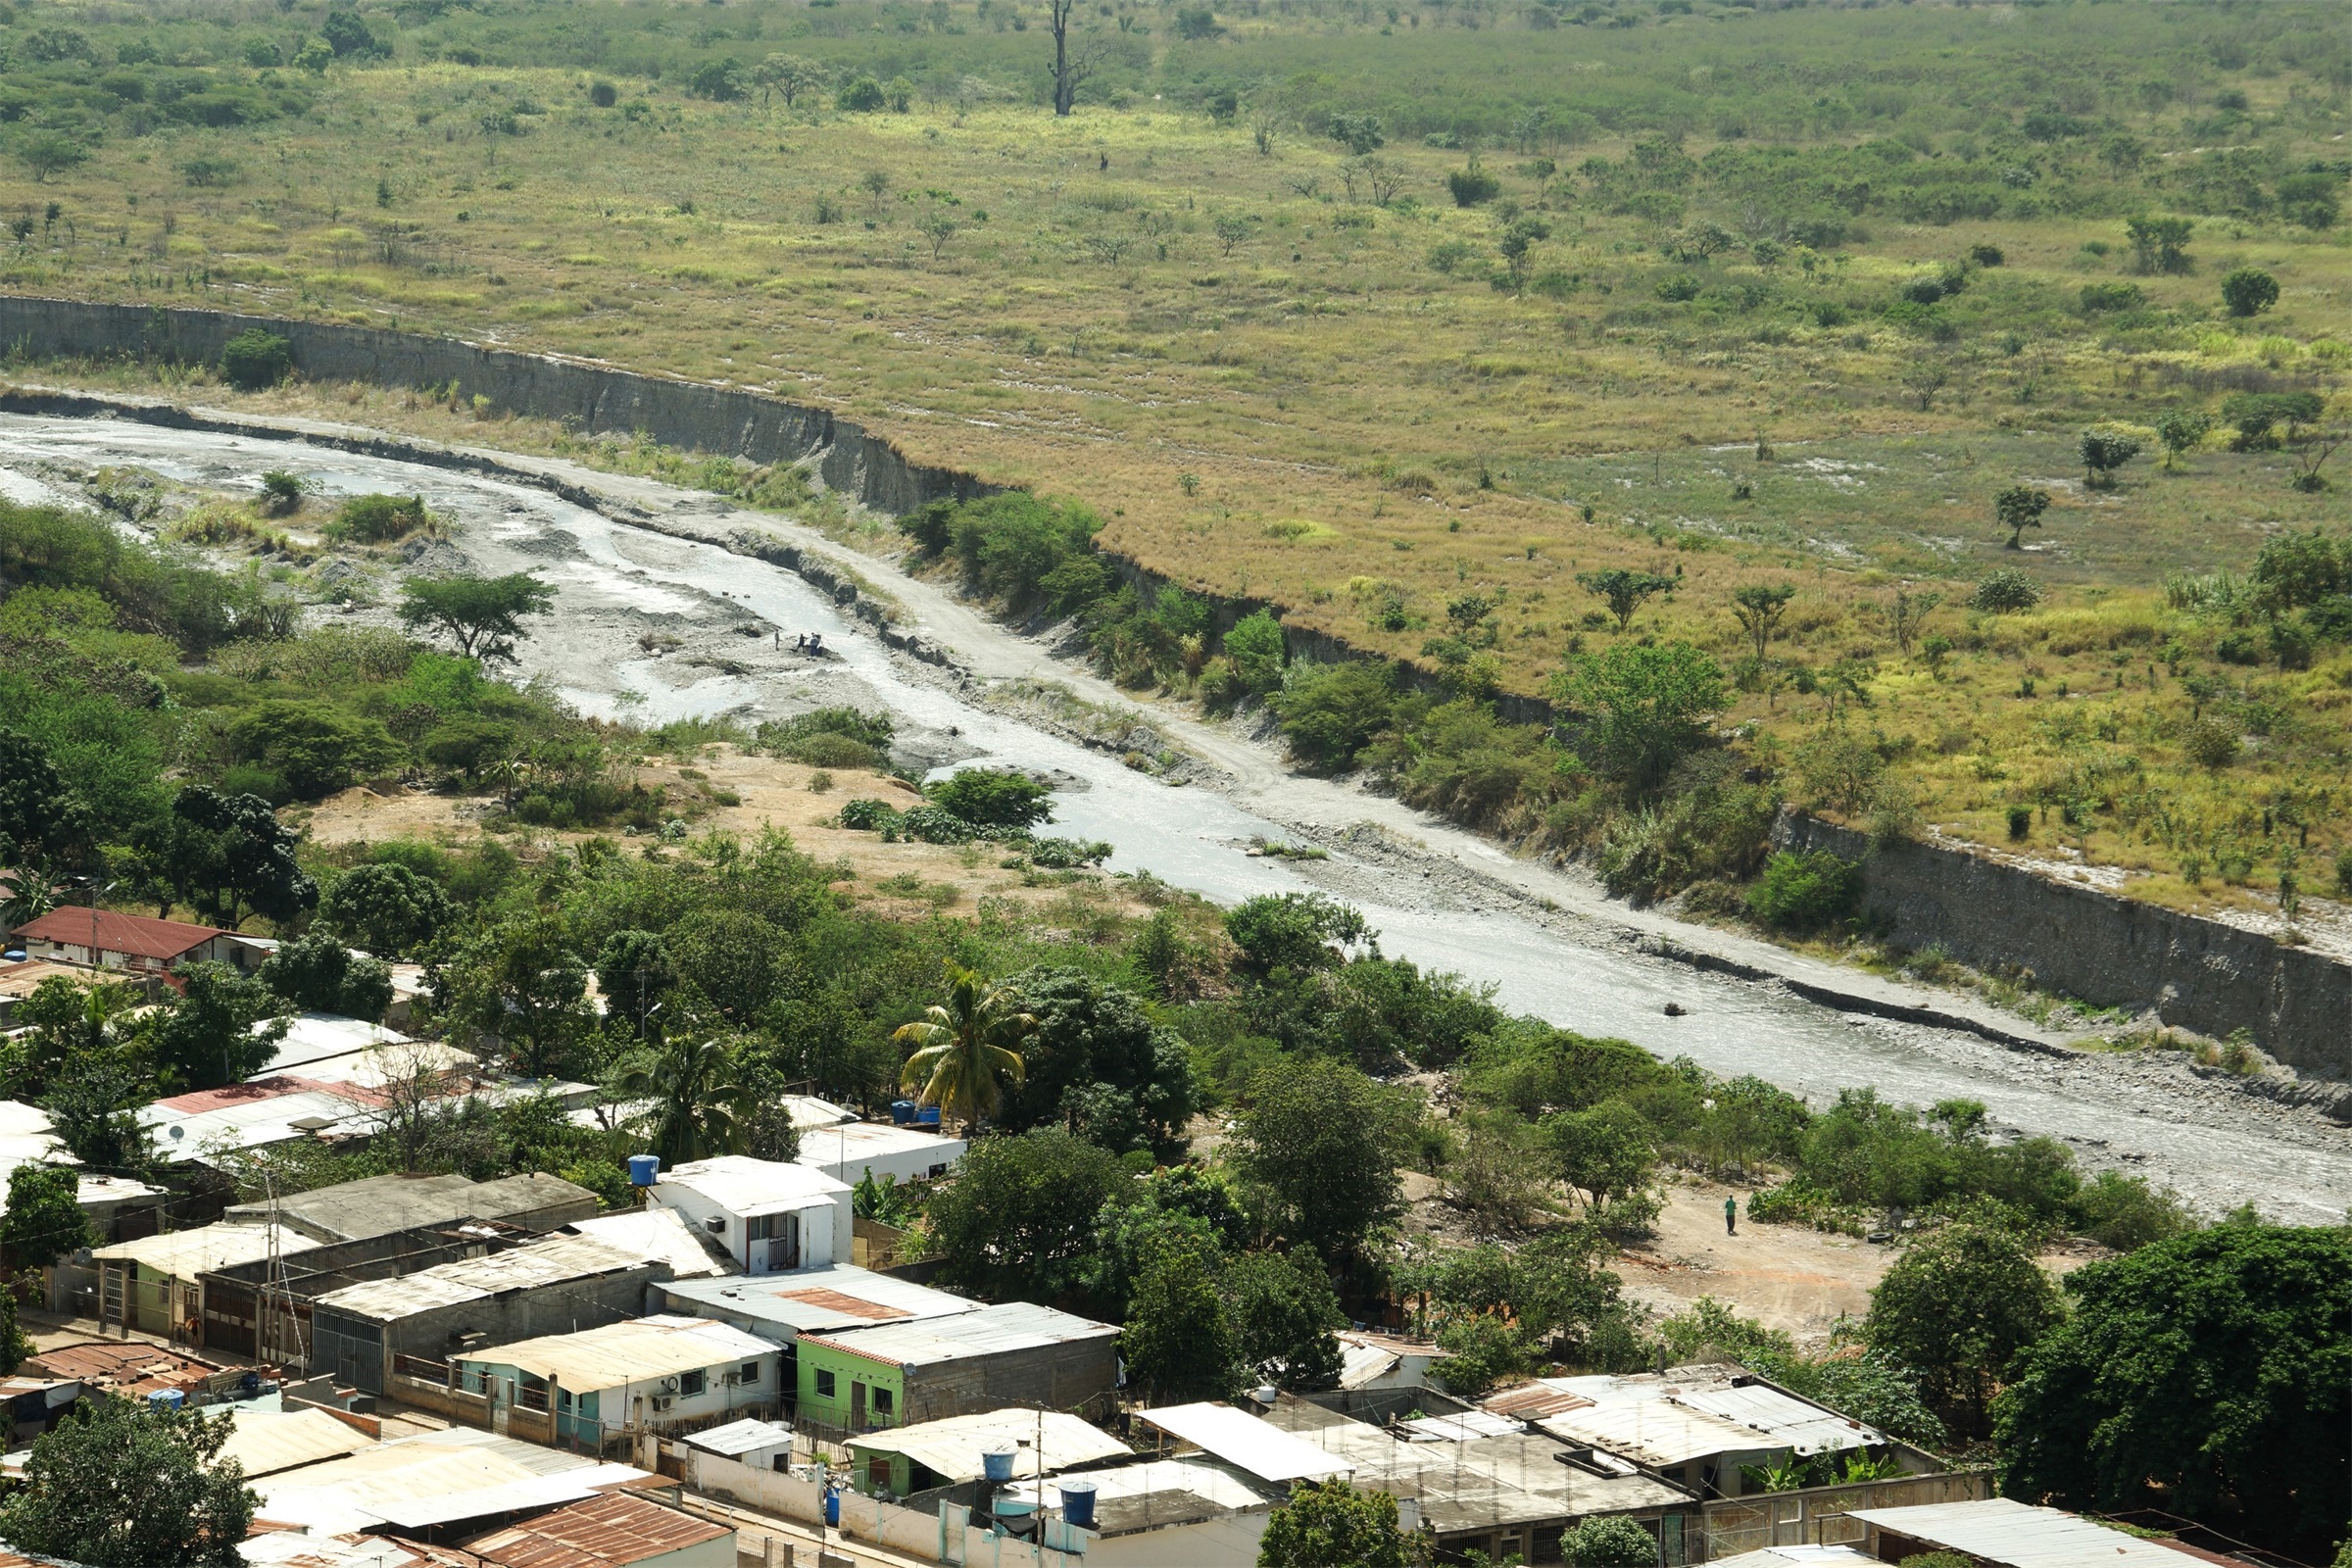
{"x":772,"y":1216}
{"x":2003,"y":1533}
{"x":363,"y":1332}
{"x":849,"y":1151}
{"x":935,"y":1453}
{"x":893,"y":1374}
{"x":155,"y":1284}
{"x":615,"y":1531}
{"x":378,"y":1205}
{"x":652,"y":1372}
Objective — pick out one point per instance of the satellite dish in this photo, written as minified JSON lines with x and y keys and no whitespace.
{"x":178,"y":1132}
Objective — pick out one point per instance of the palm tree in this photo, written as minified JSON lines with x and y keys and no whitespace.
{"x":700,"y":1102}
{"x":963,"y":1047}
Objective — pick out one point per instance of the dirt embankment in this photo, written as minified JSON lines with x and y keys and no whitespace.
{"x":903,"y":879}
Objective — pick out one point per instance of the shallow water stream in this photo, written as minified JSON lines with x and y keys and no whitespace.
{"x":2215,"y":1144}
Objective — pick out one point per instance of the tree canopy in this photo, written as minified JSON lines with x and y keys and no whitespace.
{"x":123,"y":1483}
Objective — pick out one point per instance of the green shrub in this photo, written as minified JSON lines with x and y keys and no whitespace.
{"x":1472,"y":185}
{"x":862,"y":96}
{"x":377,"y":520}
{"x":255,"y":360}
{"x":992,"y":796}
{"x":2098,"y":297}
{"x":830,"y":737}
{"x":2249,"y":291}
{"x":1330,"y":712}
{"x":1805,"y":892}
{"x":2006,"y":591}
{"x":868,"y":815}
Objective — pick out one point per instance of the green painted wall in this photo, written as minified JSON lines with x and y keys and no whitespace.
{"x":848,"y":1370}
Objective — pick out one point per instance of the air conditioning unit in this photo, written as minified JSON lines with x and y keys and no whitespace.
{"x":661,"y":1404}
{"x":716,"y":1225}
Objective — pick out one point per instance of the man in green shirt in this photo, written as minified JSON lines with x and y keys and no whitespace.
{"x":1731,"y":1215}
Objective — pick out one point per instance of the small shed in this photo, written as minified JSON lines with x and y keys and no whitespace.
{"x":935,"y":1453}
{"x":773,"y":1216}
{"x":761,"y":1444}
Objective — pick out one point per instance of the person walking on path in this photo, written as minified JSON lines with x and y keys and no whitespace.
{"x":1731,"y":1215}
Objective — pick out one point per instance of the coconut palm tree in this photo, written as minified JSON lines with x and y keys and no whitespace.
{"x":961,"y":1048}
{"x":701,"y":1106}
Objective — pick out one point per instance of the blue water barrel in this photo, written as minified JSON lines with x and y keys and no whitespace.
{"x":642,"y":1168}
{"x":1078,"y":1502}
{"x":996,"y":1463}
{"x":928,"y":1116}
{"x":833,"y":1509}
{"x":901,"y":1111}
{"x":168,"y":1398}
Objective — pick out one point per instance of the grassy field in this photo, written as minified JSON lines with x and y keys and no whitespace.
{"x":1623,"y":286}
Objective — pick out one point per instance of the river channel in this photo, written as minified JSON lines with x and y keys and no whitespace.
{"x":1460,"y":905}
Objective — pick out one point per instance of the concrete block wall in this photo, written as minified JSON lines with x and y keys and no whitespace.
{"x":2194,"y":973}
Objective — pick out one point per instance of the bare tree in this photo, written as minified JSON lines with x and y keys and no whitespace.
{"x":1074,"y":62}
{"x":417,"y":1078}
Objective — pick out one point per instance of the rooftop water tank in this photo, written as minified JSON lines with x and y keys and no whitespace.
{"x":996,"y":1461}
{"x":927,"y":1116}
{"x":168,"y":1398}
{"x":901,"y":1111}
{"x":1078,"y":1503}
{"x":642,"y":1168}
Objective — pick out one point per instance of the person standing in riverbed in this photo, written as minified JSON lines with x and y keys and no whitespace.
{"x":1731,"y":1215}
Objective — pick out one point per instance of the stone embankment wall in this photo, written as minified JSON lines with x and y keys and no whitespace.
{"x":593,"y":399}
{"x":2194,"y":973}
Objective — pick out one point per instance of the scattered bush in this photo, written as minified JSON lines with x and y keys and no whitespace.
{"x":255,"y":360}
{"x":2006,"y":592}
{"x":1805,"y":892}
{"x":379,"y":519}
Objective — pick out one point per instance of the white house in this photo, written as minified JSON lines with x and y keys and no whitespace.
{"x":848,"y":1151}
{"x":773,"y":1217}
{"x":649,"y":1371}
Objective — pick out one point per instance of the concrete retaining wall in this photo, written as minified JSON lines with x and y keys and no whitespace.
{"x":2110,"y":950}
{"x":593,"y":399}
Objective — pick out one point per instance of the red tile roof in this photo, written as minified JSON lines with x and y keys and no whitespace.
{"x":134,"y":934}
{"x":606,"y":1532}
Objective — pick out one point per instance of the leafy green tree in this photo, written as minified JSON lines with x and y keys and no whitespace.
{"x":863,"y":95}
{"x":1759,"y":606}
{"x":1604,"y":1153}
{"x":312,"y":749}
{"x":2180,"y":432}
{"x":1877,"y":1391}
{"x":994,"y":797}
{"x":522,"y":983}
{"x":2103,"y":452}
{"x":2160,"y":244}
{"x":965,"y":1046}
{"x":124,"y":1483}
{"x":1330,"y":712}
{"x":1097,"y":1062}
{"x":225,"y":854}
{"x":317,"y":974}
{"x":1295,"y":931}
{"x":224,"y":1027}
{"x":1257,"y":649}
{"x":93,"y":1104}
{"x":1284,"y":1312}
{"x":2249,"y":291}
{"x":46,"y":153}
{"x":701,"y":1106}
{"x":482,"y":615}
{"x":2257,"y":1319}
{"x":635,"y":971}
{"x":1329,"y":1523}
{"x":349,"y":36}
{"x":1645,"y":709}
{"x":1322,"y":1142}
{"x":1609,"y":1540}
{"x":730,"y":956}
{"x":1018,"y":1221}
{"x":386,"y":910}
{"x":1623,"y":591}
{"x":2006,"y":592}
{"x":44,"y":1221}
{"x":791,"y":75}
{"x":1179,"y":1342}
{"x":40,"y":814}
{"x":2019,"y":508}
{"x":1957,"y":1309}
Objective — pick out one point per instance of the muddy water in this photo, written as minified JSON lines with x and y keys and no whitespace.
{"x":616,"y":582}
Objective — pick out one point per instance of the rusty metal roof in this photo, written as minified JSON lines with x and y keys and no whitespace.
{"x":1532,"y":1401}
{"x":124,"y":1366}
{"x":603,"y":1532}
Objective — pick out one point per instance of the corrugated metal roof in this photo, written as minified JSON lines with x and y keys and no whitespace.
{"x":2002,"y":1530}
{"x":742,"y":1437}
{"x":1360,"y":1364}
{"x":810,"y":1112}
{"x":1531,"y":1402}
{"x":619,"y":1530}
{"x":265,"y":1441}
{"x":1656,"y":1434}
{"x":291,"y":1548}
{"x":636,"y":1352}
{"x":532,"y":1266}
{"x":745,"y":1187}
{"x":841,"y":1147}
{"x":1264,"y":1450}
{"x":184,"y":1254}
{"x":1459,"y":1427}
{"x":659,"y":1234}
{"x":378,"y":1205}
{"x":1133,"y":1497}
{"x":951,"y":1447}
{"x":435,"y":1477}
{"x":814,"y":1299}
{"x":125,"y":1366}
{"x":1798,"y":1558}
{"x":990,"y":1331}
{"x":314,"y":1036}
{"x":135,"y":934}
{"x":276,"y":1109}
{"x":1807,"y":1428}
